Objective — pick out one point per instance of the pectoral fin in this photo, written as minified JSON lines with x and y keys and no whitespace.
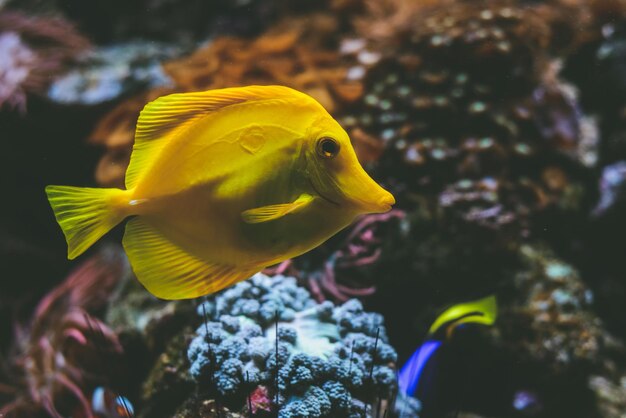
{"x":271,"y":212}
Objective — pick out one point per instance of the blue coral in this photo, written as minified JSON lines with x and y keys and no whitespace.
{"x":314,"y":403}
{"x":332,"y":361}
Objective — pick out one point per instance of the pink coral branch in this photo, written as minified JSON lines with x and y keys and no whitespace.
{"x":75,"y":390}
{"x":362,"y":261}
{"x":282,"y":267}
{"x":315,"y":289}
{"x":330,"y":285}
{"x":75,"y":335}
{"x":49,"y":407}
{"x":356,"y":292}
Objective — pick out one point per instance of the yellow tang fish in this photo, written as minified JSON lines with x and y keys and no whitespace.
{"x":222,"y":184}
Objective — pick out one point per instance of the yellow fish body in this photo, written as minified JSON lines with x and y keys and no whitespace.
{"x":222,"y":184}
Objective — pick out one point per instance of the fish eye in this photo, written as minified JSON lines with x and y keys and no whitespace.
{"x":327,"y":147}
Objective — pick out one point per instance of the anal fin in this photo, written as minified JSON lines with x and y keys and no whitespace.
{"x":168,"y":271}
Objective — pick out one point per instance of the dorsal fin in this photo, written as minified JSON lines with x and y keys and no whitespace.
{"x":167,"y":116}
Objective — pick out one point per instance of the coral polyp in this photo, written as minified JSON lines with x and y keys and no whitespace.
{"x":315,"y":360}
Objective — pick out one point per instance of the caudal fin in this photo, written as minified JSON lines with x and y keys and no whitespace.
{"x":84,"y":214}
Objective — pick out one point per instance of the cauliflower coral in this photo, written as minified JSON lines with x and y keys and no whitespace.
{"x":311,"y":360}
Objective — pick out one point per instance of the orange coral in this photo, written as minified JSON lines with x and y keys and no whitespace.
{"x":290,"y":54}
{"x":116,"y":132}
{"x":296,"y":53}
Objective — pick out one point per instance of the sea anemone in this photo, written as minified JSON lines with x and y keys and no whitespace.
{"x":67,"y":350}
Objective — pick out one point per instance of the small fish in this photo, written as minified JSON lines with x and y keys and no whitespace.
{"x":222,"y":184}
{"x":482,"y":311}
{"x":105,"y":403}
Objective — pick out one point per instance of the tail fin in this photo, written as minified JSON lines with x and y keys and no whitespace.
{"x":84,"y":214}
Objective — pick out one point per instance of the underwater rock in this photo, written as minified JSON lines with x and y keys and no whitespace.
{"x":168,"y":384}
{"x":67,"y":349}
{"x":314,"y":359}
{"x":548,"y":324}
{"x":106,"y":73}
{"x":596,"y":66}
{"x":551,"y":295}
{"x":198,"y":406}
{"x":34,"y":51}
{"x":155,"y":335}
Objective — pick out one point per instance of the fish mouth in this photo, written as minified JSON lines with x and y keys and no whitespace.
{"x":321,"y":195}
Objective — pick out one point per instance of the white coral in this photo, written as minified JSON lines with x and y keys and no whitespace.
{"x":16,"y":62}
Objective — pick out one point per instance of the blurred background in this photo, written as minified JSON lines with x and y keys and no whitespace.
{"x":499,"y":126}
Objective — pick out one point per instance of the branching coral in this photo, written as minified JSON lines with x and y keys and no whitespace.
{"x":67,"y":349}
{"x":321,"y":361}
{"x":35,"y":50}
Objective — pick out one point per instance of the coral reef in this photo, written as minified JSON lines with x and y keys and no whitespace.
{"x":35,"y":50}
{"x":499,"y":125}
{"x":488,"y":70}
{"x":267,"y":334}
{"x":465,"y":116}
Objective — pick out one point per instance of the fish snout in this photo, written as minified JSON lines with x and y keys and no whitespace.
{"x":378,"y":202}
{"x":367,"y":195}
{"x":386,"y":201}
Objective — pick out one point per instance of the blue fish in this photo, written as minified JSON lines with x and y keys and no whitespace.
{"x":482,"y":311}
